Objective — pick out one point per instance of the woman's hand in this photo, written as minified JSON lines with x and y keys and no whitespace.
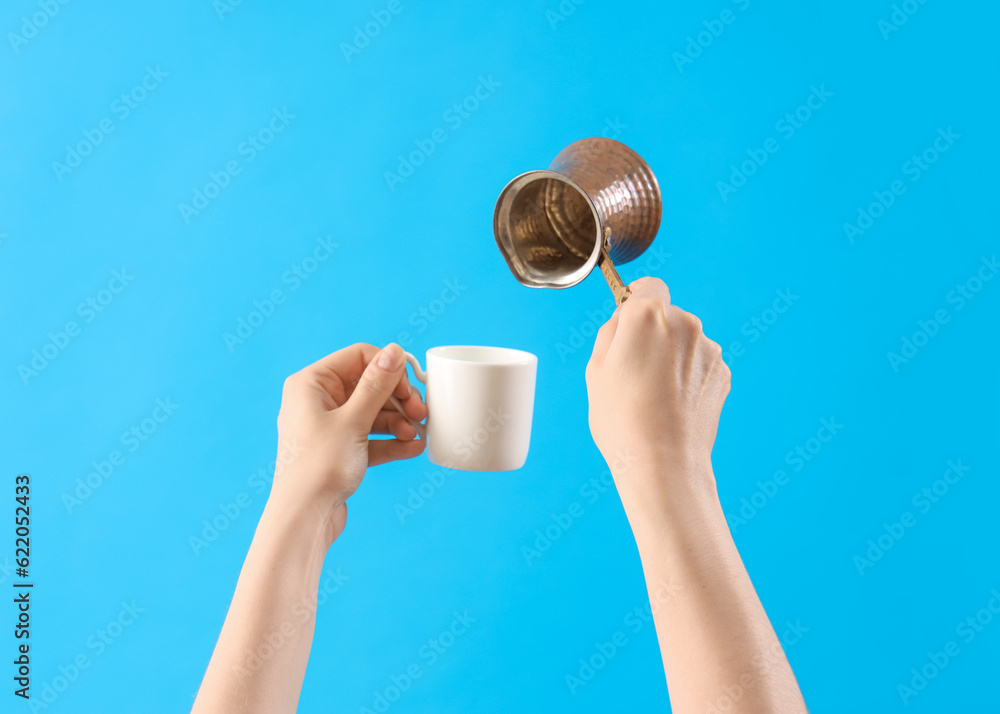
{"x":656,"y":387}
{"x":328,"y":411}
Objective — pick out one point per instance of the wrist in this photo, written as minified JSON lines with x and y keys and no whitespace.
{"x":681,"y":526}
{"x":303,"y":525}
{"x":659,"y":494}
{"x":663,"y":476}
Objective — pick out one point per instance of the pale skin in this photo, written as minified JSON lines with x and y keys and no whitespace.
{"x":656,"y":387}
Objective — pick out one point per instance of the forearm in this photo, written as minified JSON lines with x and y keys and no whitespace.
{"x":717,"y":643}
{"x":260,"y":659}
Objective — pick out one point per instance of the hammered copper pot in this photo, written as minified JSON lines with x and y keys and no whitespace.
{"x":597,"y":204}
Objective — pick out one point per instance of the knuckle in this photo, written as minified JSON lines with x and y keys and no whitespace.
{"x":290,"y":383}
{"x":648,"y":283}
{"x":601,"y":338}
{"x":644,"y":310}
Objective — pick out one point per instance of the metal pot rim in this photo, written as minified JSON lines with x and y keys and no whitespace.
{"x":501,"y":231}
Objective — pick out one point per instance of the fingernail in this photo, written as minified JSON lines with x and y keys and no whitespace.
{"x":390,"y":358}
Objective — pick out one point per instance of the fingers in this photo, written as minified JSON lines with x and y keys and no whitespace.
{"x":688,"y":330}
{"x":403,"y":389}
{"x":382,"y":451}
{"x":348,"y":363}
{"x":650,"y":301}
{"x":605,"y":335}
{"x":377,"y":382}
{"x":684,"y":324}
{"x":331,"y":380}
{"x":390,"y":421}
{"x":650,"y":288}
{"x":333,"y":377}
{"x":413,"y":403}
{"x":646,"y":308}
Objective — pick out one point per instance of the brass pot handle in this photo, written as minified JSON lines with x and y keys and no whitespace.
{"x":618,"y":287}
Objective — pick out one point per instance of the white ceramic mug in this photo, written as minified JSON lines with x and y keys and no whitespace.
{"x":479,"y":404}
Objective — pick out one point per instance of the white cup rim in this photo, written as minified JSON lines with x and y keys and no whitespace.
{"x":482,"y":354}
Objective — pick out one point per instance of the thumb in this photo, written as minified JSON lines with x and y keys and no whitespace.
{"x":376,"y":384}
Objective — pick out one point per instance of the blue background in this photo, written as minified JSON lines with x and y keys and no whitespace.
{"x":599,"y":68}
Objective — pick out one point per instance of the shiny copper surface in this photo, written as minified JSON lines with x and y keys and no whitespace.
{"x":598,"y":196}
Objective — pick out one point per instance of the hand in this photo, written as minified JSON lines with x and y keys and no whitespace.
{"x":328,"y":410}
{"x":656,"y":386}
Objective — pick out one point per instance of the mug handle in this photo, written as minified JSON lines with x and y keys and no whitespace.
{"x":421,"y":375}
